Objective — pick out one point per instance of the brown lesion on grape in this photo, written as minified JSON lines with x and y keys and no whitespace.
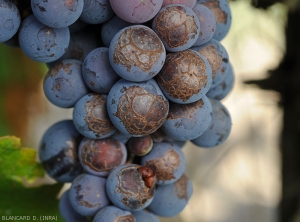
{"x":140,"y":111}
{"x":175,"y":27}
{"x":97,"y":117}
{"x":180,"y":111}
{"x":165,"y":166}
{"x":71,"y":5}
{"x":126,"y":218}
{"x":133,"y":188}
{"x":138,"y":46}
{"x":181,"y":187}
{"x":213,"y":57}
{"x":80,"y":198}
{"x":102,"y":155}
{"x":214,"y":6}
{"x":183,"y":75}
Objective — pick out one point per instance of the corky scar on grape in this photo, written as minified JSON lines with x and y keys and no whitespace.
{"x":138,"y":46}
{"x":214,"y":58}
{"x":181,"y":187}
{"x":97,"y":117}
{"x":71,"y":4}
{"x":126,"y":218}
{"x":214,"y":6}
{"x":183,"y":75}
{"x":162,"y":170}
{"x":175,"y":27}
{"x":55,"y":70}
{"x":140,"y":111}
{"x":80,"y":198}
{"x":133,"y":188}
{"x":102,"y":155}
{"x":179,"y":111}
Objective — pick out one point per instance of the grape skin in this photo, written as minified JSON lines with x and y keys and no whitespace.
{"x":112,"y":213}
{"x":145,"y":216}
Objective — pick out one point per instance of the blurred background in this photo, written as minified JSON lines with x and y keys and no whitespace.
{"x":253,"y":176}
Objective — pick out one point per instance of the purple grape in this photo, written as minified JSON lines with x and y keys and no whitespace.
{"x":145,"y":216}
{"x":91,"y":118}
{"x":137,"y":109}
{"x":64,"y":85}
{"x":167,"y":161}
{"x":188,"y":3}
{"x":188,"y":121}
{"x":220,"y":91}
{"x":136,"y":11}
{"x":123,"y":138}
{"x":96,"y":11}
{"x":88,"y":195}
{"x":185,"y":77}
{"x":207,"y":24}
{"x":218,"y":58}
{"x":140,"y":146}
{"x":178,"y":27}
{"x":58,"y":151}
{"x":136,"y":53}
{"x":114,"y":214}
{"x":66,"y":210}
{"x":42,"y":43}
{"x":99,"y":157}
{"x":10,"y":20}
{"x":131,"y":187}
{"x":219,"y":129}
{"x":57,"y":13}
{"x":222,"y":13}
{"x":170,"y":200}
{"x":97,"y":72}
{"x":110,"y":28}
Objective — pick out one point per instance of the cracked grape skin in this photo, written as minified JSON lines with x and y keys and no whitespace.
{"x":167,"y":161}
{"x":42,"y":43}
{"x":219,"y":129}
{"x":10,"y":20}
{"x":90,"y":117}
{"x":136,"y":11}
{"x":58,"y":151}
{"x":57,"y":13}
{"x":97,"y":72}
{"x":188,"y":121}
{"x":145,"y":216}
{"x":113,"y":213}
{"x":64,"y":85}
{"x":136,"y":53}
{"x":87,"y":194}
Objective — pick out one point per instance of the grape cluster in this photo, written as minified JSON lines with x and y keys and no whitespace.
{"x":142,"y":77}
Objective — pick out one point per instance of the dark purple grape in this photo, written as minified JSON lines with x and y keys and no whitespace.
{"x":88,"y":195}
{"x":64,"y":85}
{"x":178,"y":27}
{"x":90,"y":117}
{"x":66,"y":210}
{"x":221,"y":90}
{"x":131,"y":187}
{"x":185,"y":77}
{"x":137,"y":109}
{"x":188,"y":121}
{"x":136,"y":11}
{"x":188,"y":3}
{"x":207,"y":24}
{"x":99,"y":157}
{"x":97,"y":72}
{"x":96,"y":11}
{"x":140,"y":146}
{"x":218,"y":58}
{"x":58,"y":151}
{"x":10,"y":20}
{"x":222,"y":13}
{"x":170,"y":200}
{"x":136,"y":53}
{"x":57,"y":13}
{"x":42,"y":43}
{"x":144,"y":216}
{"x":113,"y":214}
{"x":167,"y":161}
{"x":219,"y":129}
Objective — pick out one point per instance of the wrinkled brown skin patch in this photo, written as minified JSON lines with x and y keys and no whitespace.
{"x":213,"y":57}
{"x":181,"y":187}
{"x":80,"y":201}
{"x":183,"y":74}
{"x":214,"y":6}
{"x":180,"y":111}
{"x":132,"y":186}
{"x":140,"y":111}
{"x":138,"y":47}
{"x":175,"y":27}
{"x":102,"y":155}
{"x":165,"y":167}
{"x":127,"y":218}
{"x":97,"y":117}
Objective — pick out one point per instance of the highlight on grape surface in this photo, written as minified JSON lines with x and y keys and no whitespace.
{"x":142,"y":78}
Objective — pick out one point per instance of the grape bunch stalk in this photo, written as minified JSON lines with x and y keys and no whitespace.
{"x":143,"y":77}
